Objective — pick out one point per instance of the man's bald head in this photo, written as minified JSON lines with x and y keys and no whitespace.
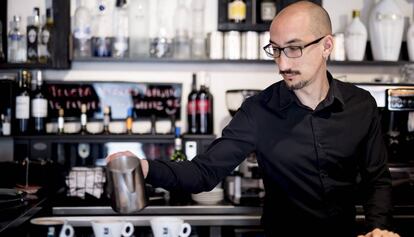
{"x":319,"y":20}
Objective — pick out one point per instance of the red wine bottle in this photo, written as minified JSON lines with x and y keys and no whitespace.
{"x":192,"y":107}
{"x":23,"y":103}
{"x":204,"y":109}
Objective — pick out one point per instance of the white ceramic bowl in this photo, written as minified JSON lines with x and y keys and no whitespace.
{"x":72,"y":127}
{"x":141,"y":126}
{"x":94,"y":127}
{"x":51,"y":127}
{"x":163,"y":127}
{"x":117,"y":127}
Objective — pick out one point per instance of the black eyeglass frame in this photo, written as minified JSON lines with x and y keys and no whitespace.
{"x":280,"y":49}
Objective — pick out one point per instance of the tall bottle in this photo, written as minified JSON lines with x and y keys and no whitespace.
{"x":2,"y":57}
{"x":16,"y":42}
{"x":102,"y":36}
{"x":45,"y":42}
{"x":355,"y":38}
{"x":121,"y":30}
{"x":138,"y":28}
{"x":23,"y":103}
{"x":39,"y":106}
{"x":181,"y":31}
{"x":161,"y":46}
{"x":198,"y":41}
{"x":61,"y":121}
{"x":82,"y":32}
{"x":33,"y":36}
{"x":192,"y":107}
{"x":205,"y":107}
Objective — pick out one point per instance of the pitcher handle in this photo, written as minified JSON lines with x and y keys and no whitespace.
{"x":185,"y":230}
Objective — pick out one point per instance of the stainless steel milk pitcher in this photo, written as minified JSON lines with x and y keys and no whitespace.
{"x":126,"y":185}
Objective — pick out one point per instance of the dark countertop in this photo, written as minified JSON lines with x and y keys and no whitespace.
{"x":20,"y":215}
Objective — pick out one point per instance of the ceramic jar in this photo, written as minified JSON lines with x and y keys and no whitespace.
{"x":355,"y":38}
{"x":386,"y":26}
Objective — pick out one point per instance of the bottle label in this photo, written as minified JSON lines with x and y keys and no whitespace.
{"x":192,"y":107}
{"x":22,"y":107}
{"x":45,"y":37}
{"x":237,"y":10}
{"x":203,"y":106}
{"x":32,"y":35}
{"x":268,"y":11}
{"x":39,"y":108}
{"x":82,"y":33}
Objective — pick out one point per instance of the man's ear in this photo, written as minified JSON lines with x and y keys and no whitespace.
{"x":328,"y":44}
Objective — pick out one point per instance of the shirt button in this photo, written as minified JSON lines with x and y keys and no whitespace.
{"x":324,"y":175}
{"x":319,"y":145}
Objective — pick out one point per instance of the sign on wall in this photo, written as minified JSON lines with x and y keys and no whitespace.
{"x":162,"y":100}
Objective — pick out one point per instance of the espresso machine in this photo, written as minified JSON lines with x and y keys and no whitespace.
{"x":245,"y":185}
{"x":398,"y":126}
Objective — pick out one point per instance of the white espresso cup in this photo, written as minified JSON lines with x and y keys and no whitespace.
{"x":170,"y":226}
{"x":49,"y":227}
{"x":112,"y":228}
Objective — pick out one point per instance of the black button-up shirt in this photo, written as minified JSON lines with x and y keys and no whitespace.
{"x":315,"y":163}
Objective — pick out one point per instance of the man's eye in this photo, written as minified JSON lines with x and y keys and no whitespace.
{"x":293,"y":48}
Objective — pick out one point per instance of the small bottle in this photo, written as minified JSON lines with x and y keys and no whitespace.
{"x":236,"y":11}
{"x":107,"y":119}
{"x":192,"y":107}
{"x":178,"y":154}
{"x":16,"y":43}
{"x":39,"y":106}
{"x":23,"y":103}
{"x":82,"y":32}
{"x":121,"y":30}
{"x":129,"y":120}
{"x":45,"y":45}
{"x":267,"y":10}
{"x":6,"y":126}
{"x":83,"y":118}
{"x":33,"y":36}
{"x":153,"y":124}
{"x":61,"y":121}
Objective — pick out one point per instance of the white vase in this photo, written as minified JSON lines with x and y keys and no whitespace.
{"x":386,"y":26}
{"x":355,"y":38}
{"x":410,"y":42}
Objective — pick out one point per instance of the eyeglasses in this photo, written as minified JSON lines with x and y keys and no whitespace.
{"x":290,"y":51}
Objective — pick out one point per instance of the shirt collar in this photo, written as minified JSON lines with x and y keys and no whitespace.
{"x":283,"y":98}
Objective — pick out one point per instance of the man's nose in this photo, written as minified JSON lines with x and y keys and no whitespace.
{"x":283,"y":62}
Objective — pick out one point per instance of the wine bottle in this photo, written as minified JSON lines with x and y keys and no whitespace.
{"x":39,"y":106}
{"x":33,"y":36}
{"x":192,"y":107}
{"x":45,"y":43}
{"x":178,"y":154}
{"x":23,"y":103}
{"x":205,"y":109}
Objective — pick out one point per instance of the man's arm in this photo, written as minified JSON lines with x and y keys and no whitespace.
{"x":207,"y":169}
{"x":376,"y":178}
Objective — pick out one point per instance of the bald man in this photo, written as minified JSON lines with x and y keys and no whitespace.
{"x":316,"y":139}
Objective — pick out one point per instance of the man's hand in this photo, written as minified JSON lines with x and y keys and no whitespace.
{"x":144,"y":163}
{"x":380,"y":233}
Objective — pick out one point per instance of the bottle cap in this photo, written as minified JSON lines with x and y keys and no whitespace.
{"x":177,"y":131}
{"x":83,"y":108}
{"x":130,"y":112}
{"x":356,"y":13}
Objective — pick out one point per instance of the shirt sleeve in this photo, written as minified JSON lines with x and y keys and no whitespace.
{"x":376,"y":178}
{"x":206,"y":170}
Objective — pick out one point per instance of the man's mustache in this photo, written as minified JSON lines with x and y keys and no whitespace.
{"x":289,"y":72}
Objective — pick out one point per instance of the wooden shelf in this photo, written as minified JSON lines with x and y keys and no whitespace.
{"x":24,"y":66}
{"x":169,"y":60}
